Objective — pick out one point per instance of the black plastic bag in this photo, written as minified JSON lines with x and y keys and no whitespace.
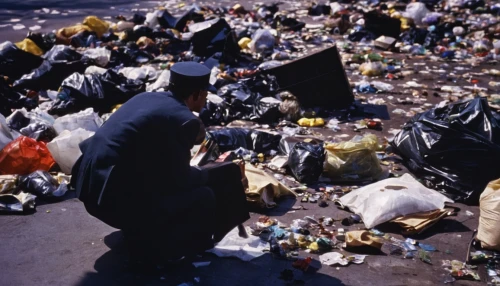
{"x":40,"y":131}
{"x":62,"y":53}
{"x":49,"y":75}
{"x":100,"y":91}
{"x":306,"y":161}
{"x":10,"y":99}
{"x":213,"y":36}
{"x":456,"y":146}
{"x":230,"y":139}
{"x":41,"y":183}
{"x":15,"y":62}
{"x":267,"y":110}
{"x":168,"y":21}
{"x":319,"y":9}
{"x":287,"y":143}
{"x":382,"y":25}
{"x":43,"y":41}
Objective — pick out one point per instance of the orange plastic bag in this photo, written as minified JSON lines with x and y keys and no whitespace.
{"x":24,"y":156}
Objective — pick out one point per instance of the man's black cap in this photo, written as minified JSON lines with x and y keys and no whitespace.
{"x":191,"y":76}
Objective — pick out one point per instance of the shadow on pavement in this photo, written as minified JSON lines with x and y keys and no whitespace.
{"x":265,"y":270}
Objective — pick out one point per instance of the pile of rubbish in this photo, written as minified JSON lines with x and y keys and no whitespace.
{"x":410,"y":85}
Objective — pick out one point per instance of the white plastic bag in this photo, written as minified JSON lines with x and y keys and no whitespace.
{"x":95,"y":70}
{"x":64,"y":148}
{"x":100,"y":55}
{"x":232,"y":245}
{"x":161,"y":82}
{"x":139,"y":73}
{"x":86,"y":119}
{"x":262,"y":40}
{"x":390,"y":198}
{"x":152,"y":19}
{"x":416,"y":11}
{"x":489,"y":204}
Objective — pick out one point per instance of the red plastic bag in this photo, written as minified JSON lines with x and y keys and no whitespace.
{"x":24,"y":156}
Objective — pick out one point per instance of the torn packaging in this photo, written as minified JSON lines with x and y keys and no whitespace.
{"x":317,"y":80}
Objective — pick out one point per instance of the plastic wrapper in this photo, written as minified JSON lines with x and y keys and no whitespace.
{"x":229,"y":139}
{"x":354,"y":160}
{"x":15,"y":62}
{"x":390,"y":198}
{"x":65,"y":148}
{"x":25,"y":155}
{"x":42,"y":184}
{"x":416,"y":11}
{"x":450,"y":146}
{"x":263,"y":41}
{"x":489,"y":204}
{"x":17,"y":202}
{"x":100,"y":56}
{"x":86,"y":119}
{"x":306,"y":161}
{"x":100,"y":91}
{"x":246,"y":249}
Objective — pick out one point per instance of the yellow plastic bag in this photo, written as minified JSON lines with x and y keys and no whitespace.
{"x":311,"y":122}
{"x":100,"y":27}
{"x":354,"y":160}
{"x":243,"y":43}
{"x":64,"y":34}
{"x":362,"y":238}
{"x":29,"y":46}
{"x":488,"y":231}
{"x":372,"y":68}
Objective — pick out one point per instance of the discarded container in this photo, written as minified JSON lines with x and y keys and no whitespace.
{"x":313,"y":78}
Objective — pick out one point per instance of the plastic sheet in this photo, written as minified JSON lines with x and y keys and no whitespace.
{"x":233,"y":138}
{"x":354,"y":160}
{"x":42,"y":184}
{"x":390,"y":198}
{"x":65,"y":148}
{"x":451,"y":145}
{"x":489,"y":203}
{"x":25,"y":155}
{"x":306,"y":161}
{"x":246,"y":249}
{"x":86,"y":119}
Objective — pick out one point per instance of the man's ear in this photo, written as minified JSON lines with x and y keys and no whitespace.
{"x":196,"y":95}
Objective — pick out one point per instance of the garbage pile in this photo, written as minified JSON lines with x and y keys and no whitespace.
{"x":322,"y":97}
